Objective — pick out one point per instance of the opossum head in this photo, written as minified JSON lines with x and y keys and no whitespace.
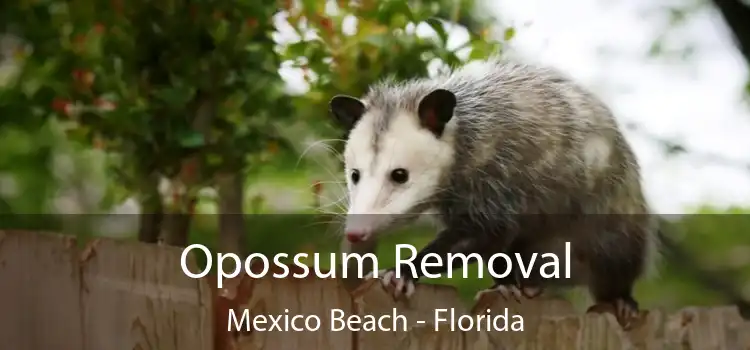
{"x":395,"y":157}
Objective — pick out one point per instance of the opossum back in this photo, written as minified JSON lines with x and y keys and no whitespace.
{"x":537,"y":134}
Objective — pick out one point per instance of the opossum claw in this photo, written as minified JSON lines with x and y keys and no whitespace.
{"x":410,"y":288}
{"x":388,"y":277}
{"x":371,"y":275}
{"x":483,"y":292}
{"x":626,"y":312}
{"x":404,"y":285}
{"x":506,"y":291}
{"x":531,"y":292}
{"x":510,"y":291}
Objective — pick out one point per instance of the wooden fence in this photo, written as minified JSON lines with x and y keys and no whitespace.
{"x":127,"y":295}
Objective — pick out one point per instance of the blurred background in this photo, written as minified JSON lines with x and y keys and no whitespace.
{"x":142,"y":120}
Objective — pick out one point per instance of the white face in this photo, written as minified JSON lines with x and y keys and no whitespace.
{"x":390,"y":182}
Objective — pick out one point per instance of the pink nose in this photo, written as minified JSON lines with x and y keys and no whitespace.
{"x":354,"y":237}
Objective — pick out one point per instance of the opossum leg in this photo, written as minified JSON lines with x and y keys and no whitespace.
{"x":615,"y":266}
{"x":513,"y":285}
{"x":530,"y":287}
{"x":445,"y":242}
{"x":508,"y":291}
{"x":507,"y":287}
{"x":625,"y":310}
{"x":401,"y":286}
{"x":622,"y":305}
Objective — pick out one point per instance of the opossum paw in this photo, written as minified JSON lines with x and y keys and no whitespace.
{"x":531,"y":292}
{"x":371,"y":275}
{"x":626,"y":311}
{"x":506,"y":291}
{"x":402,"y":286}
{"x":600,"y":308}
{"x":511,"y":291}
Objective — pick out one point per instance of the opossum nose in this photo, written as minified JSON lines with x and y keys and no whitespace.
{"x":354,"y":237}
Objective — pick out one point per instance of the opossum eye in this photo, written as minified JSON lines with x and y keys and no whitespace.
{"x":399,"y":175}
{"x":355,"y":176}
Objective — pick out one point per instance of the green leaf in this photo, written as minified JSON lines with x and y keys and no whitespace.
{"x":405,"y":9}
{"x":191,"y":139}
{"x":297,"y":49}
{"x":175,"y":96}
{"x":510,"y":32}
{"x":437,"y":25}
{"x":482,"y":50}
{"x":399,"y":20}
{"x":377,"y":40}
{"x":220,"y":31}
{"x":392,"y":9}
{"x":214,"y":159}
{"x":657,"y":48}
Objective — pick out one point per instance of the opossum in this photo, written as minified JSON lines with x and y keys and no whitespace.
{"x":513,"y":158}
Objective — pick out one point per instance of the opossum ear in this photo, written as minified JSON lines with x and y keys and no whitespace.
{"x":346,"y":110}
{"x":436,"y":109}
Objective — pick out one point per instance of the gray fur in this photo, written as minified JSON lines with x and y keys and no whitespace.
{"x":521,"y":134}
{"x":523,"y":129}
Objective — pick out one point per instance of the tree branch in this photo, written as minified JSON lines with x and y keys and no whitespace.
{"x":672,"y":147}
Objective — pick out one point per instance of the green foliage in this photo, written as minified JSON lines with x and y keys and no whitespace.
{"x":384,"y":44}
{"x":717,"y":241}
{"x":152,"y":83}
{"x":186,"y":89}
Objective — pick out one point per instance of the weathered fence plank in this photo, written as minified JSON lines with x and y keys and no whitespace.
{"x":531,"y":311}
{"x":136,"y":296}
{"x":290,"y":296}
{"x":39,"y":303}
{"x":421,"y":331}
{"x":110,"y":295}
{"x":547,"y":324}
{"x":710,"y":328}
{"x":127,"y":295}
